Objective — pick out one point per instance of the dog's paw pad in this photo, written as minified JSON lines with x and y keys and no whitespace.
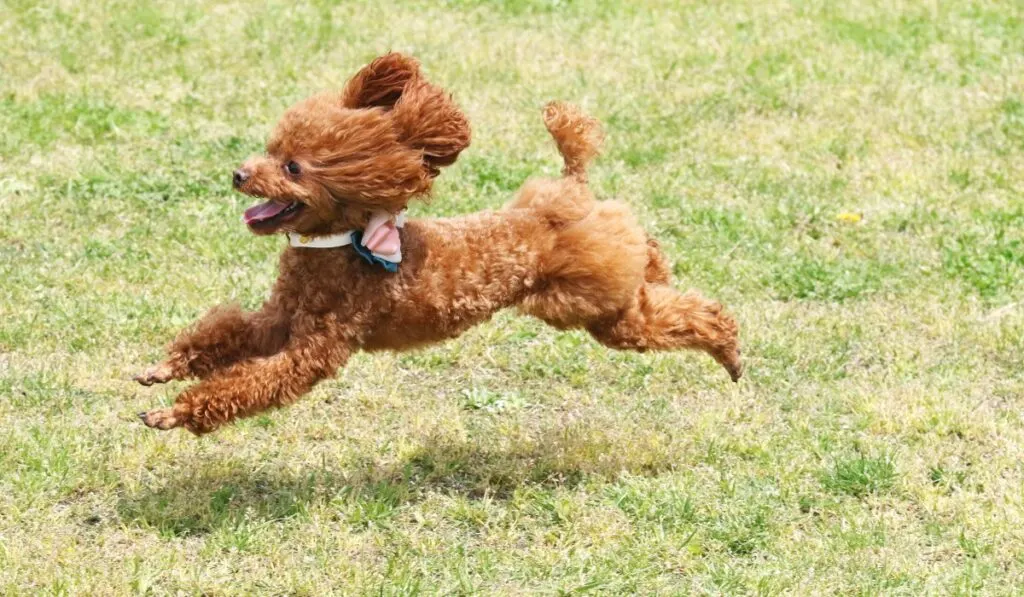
{"x":161,"y":418}
{"x":155,"y":374}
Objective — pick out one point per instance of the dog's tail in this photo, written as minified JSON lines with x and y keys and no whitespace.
{"x":564,"y":200}
{"x":577,"y":135}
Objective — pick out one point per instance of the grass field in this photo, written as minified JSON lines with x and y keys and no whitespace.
{"x":848,"y":177}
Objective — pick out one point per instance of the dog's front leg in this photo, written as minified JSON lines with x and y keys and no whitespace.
{"x":225,"y":335}
{"x":251,"y":386}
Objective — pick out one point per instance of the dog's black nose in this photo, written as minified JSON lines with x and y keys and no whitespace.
{"x":240,"y":177}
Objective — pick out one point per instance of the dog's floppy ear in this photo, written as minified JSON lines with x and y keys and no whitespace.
{"x":428,"y":120}
{"x":424,"y":116}
{"x":381,"y":83}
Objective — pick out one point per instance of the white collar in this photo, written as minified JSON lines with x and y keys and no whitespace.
{"x":339,"y":239}
{"x":327,"y":241}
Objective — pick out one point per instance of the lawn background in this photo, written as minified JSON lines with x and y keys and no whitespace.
{"x":846,"y":176}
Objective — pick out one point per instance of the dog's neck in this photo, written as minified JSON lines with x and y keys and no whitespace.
{"x":378,"y":243}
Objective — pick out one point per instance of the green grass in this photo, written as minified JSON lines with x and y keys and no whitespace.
{"x":847,"y":177}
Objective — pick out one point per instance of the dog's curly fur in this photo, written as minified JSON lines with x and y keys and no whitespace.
{"x":553,"y":251}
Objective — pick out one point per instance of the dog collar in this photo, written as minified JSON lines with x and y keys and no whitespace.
{"x":378,"y":243}
{"x":327,"y":241}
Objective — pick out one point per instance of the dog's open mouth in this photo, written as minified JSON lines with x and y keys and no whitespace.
{"x":268,"y":216}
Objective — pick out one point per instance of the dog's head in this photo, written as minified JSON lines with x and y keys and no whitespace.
{"x":335,"y":159}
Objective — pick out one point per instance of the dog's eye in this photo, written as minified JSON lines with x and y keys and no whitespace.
{"x":292,"y":168}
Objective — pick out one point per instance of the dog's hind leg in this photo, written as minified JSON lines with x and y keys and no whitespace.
{"x":661,"y":318}
{"x":223,"y":336}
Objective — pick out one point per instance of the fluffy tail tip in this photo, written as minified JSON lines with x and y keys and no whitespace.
{"x":577,"y":135}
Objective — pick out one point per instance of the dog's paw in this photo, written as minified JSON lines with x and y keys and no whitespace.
{"x":161,"y":418}
{"x":732,"y":362}
{"x":735,"y":371}
{"x":161,"y":373}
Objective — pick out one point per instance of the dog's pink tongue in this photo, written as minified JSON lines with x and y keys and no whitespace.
{"x":381,"y":235}
{"x":263,"y":211}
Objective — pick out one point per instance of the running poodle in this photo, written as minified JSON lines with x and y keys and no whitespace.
{"x":337,"y":176}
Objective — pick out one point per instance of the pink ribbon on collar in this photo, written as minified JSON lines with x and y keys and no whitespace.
{"x":381,"y":237}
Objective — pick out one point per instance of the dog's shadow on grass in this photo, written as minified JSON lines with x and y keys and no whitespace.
{"x":225,"y":492}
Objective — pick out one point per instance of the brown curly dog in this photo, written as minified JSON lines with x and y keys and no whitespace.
{"x":337,"y":174}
